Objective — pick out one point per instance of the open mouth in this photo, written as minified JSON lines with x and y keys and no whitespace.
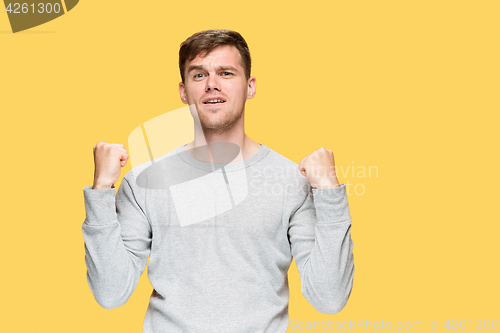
{"x":214,"y":101}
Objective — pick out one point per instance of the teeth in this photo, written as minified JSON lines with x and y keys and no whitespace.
{"x":214,"y":101}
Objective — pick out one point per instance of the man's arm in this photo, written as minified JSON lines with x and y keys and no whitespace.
{"x":117,"y":234}
{"x":319,"y":233}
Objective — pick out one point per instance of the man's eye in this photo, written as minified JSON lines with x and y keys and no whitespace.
{"x":226,"y":73}
{"x":199,"y":75}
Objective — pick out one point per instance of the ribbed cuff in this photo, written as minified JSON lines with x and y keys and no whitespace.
{"x":331,"y":204}
{"x":100,"y":206}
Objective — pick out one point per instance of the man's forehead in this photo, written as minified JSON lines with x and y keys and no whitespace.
{"x":221,"y":56}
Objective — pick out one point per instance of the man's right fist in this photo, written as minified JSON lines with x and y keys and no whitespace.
{"x":109,"y":158}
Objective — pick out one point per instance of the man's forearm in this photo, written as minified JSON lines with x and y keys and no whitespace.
{"x":113,"y":267}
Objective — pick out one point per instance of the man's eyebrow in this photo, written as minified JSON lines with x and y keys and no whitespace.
{"x":220,"y":68}
{"x":194,"y":67}
{"x":225,"y":68}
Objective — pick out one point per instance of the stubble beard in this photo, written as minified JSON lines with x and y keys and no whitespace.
{"x":218,"y":125}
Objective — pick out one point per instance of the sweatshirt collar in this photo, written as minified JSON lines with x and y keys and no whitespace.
{"x":255,"y":158}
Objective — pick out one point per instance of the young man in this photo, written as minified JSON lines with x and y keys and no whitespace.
{"x":226,"y":271}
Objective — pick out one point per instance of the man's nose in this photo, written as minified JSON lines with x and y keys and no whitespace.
{"x":212,"y":83}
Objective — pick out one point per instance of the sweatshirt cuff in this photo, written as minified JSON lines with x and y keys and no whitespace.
{"x":331,"y":204}
{"x":100,"y":206}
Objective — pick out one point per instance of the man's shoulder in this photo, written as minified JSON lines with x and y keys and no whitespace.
{"x":278,"y":159}
{"x":150,"y":168}
{"x":287,"y":167}
{"x":284,"y":171}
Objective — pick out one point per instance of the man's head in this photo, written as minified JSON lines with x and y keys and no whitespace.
{"x":215,"y":71}
{"x":203,"y":42}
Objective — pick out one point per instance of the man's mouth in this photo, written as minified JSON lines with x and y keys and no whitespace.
{"x":214,"y":101}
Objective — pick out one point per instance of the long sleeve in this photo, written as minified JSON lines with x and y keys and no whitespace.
{"x":117,"y":243}
{"x":319,"y":234}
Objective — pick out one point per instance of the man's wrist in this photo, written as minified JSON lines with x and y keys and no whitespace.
{"x":102,"y":186}
{"x":328,"y":184}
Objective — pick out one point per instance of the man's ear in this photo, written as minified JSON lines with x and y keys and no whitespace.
{"x":252,"y":86}
{"x":182,"y":92}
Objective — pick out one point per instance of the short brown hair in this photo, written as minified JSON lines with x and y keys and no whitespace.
{"x":203,"y":42}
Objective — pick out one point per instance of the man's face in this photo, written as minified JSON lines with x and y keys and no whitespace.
{"x":217,"y":87}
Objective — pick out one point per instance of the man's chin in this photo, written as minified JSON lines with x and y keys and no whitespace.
{"x":215,"y":122}
{"x":214,"y":126}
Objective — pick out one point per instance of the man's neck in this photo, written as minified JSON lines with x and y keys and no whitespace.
{"x":248,"y":147}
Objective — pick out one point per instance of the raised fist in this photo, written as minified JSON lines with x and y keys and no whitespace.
{"x":109,"y":158}
{"x":319,"y":168}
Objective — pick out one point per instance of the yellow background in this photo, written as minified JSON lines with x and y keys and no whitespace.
{"x":411,"y":87}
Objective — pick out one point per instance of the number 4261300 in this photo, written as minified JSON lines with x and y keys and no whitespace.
{"x":24,"y":8}
{"x":462,"y":324}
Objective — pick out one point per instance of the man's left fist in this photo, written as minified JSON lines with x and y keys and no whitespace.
{"x":319,"y":168}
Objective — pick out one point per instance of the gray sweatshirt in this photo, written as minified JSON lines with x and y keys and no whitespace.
{"x":220,"y":242}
